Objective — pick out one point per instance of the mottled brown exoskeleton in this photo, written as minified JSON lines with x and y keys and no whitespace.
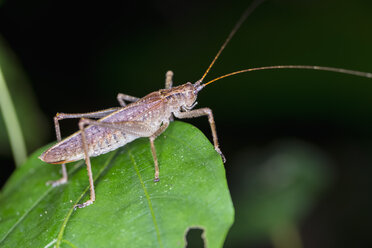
{"x":144,"y":117}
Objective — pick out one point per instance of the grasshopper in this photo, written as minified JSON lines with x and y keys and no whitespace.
{"x":144,"y":117}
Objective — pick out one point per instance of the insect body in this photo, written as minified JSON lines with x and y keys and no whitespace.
{"x":145,"y":117}
{"x":139,"y":119}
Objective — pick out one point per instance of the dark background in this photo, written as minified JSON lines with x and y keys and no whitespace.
{"x":78,"y":55}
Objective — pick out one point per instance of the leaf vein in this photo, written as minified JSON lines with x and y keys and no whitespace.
{"x":31,"y":208}
{"x":25,"y":214}
{"x":68,"y":216}
{"x":147,"y":198}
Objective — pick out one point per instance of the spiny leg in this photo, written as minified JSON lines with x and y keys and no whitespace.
{"x":153,"y":150}
{"x":202,"y":112}
{"x":82,"y":125}
{"x":61,"y":116}
{"x":124,"y":97}
{"x":133,"y":127}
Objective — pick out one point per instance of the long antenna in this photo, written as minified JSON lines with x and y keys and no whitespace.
{"x":308,"y":67}
{"x":244,"y":16}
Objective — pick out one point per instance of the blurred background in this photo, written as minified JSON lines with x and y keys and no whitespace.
{"x":297,"y":142}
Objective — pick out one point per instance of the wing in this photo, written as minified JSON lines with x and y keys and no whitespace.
{"x":102,"y":139}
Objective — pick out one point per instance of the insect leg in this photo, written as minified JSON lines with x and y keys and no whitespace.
{"x":61,"y":116}
{"x":124,"y":97}
{"x":140,"y":129}
{"x":137,"y":128}
{"x":169,"y":79}
{"x":82,"y":125}
{"x":153,"y":151}
{"x":202,"y":112}
{"x":95,"y":114}
{"x":168,"y":85}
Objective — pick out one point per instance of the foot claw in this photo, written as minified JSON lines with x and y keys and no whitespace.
{"x":156,"y":179}
{"x":57,"y":182}
{"x":83,"y":205}
{"x":222,"y":156}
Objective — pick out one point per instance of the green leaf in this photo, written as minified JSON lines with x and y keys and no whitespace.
{"x":130,"y":210}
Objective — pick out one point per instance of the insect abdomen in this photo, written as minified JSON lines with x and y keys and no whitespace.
{"x":100,"y":140}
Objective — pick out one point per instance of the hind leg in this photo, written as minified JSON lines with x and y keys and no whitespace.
{"x":61,"y":116}
{"x":140,"y":129}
